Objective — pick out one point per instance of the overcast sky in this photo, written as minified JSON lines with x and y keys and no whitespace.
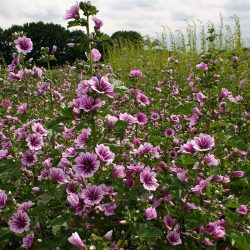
{"x":144,"y":16}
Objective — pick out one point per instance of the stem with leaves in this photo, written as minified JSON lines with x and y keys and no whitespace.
{"x":238,"y":93}
{"x":51,"y":107}
{"x":209,"y":108}
{"x":89,"y":47}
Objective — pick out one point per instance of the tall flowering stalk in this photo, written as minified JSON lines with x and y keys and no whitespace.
{"x":208,"y":68}
{"x":235,"y":65}
{"x":16,"y":69}
{"x":93,"y":54}
{"x":88,"y":10}
{"x":47,"y":57}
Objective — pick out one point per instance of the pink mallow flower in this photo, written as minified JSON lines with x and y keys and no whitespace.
{"x":38,"y":128}
{"x":68,"y":132}
{"x":25,"y":206}
{"x":210,"y":160}
{"x":224,"y":93}
{"x":218,"y":232}
{"x":202,"y":184}
{"x":135,"y":73}
{"x":19,"y":222}
{"x":42,"y":87}
{"x":96,"y":55}
{"x":37,"y":71}
{"x":102,"y":86}
{"x":28,"y":240}
{"x":92,"y":195}
{"x":54,"y":49}
{"x":148,"y":179}
{"x":141,"y":118}
{"x":111,"y":121}
{"x":82,"y":88}
{"x":169,"y":222}
{"x":238,"y":173}
{"x":208,"y":242}
{"x":202,"y":65}
{"x":155,"y":116}
{"x":82,"y":138}
{"x":119,"y":171}
{"x":142,"y":99}
{"x":187,"y":148}
{"x":200,"y":97}
{"x":14,"y":64}
{"x":35,"y":141}
{"x":23,"y":44}
{"x":16,"y":76}
{"x":98,"y":22}
{"x":108,"y":208}
{"x":75,"y":240}
{"x":73,"y":12}
{"x":175,"y":118}
{"x":87,"y":103}
{"x":203,"y":142}
{"x":104,"y":153}
{"x":3,"y":153}
{"x":150,"y":213}
{"x":108,"y":235}
{"x":242,"y":210}
{"x":57,"y":175}
{"x":87,"y":164}
{"x":174,"y":238}
{"x":77,"y":202}
{"x":169,"y":132}
{"x":135,"y":168}
{"x":22,"y":108}
{"x":127,"y":118}
{"x":143,"y":149}
{"x":216,"y":229}
{"x":3,"y":199}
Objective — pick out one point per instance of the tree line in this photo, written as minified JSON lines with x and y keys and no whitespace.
{"x":70,"y":44}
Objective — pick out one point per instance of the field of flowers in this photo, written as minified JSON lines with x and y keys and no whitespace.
{"x":149,"y":150}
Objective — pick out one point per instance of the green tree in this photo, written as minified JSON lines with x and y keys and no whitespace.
{"x":79,"y":39}
{"x":45,"y":35}
{"x":128,"y":36}
{"x":6,"y":42}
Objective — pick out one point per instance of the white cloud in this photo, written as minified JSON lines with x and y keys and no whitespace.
{"x":144,"y":16}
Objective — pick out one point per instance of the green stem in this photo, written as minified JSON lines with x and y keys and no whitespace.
{"x":27,"y":93}
{"x":240,"y":103}
{"x":89,"y":43}
{"x":136,"y":130}
{"x":94,"y":129}
{"x":209,"y":107}
{"x":240,"y":114}
{"x":51,"y":109}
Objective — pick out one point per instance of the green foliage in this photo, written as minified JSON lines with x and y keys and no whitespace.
{"x":120,"y":128}
{"x":148,"y":233}
{"x":45,"y":35}
{"x":237,"y":142}
{"x":88,"y":9}
{"x":58,"y":223}
{"x":104,"y":37}
{"x":133,"y":37}
{"x":242,"y":241}
{"x":9,"y":170}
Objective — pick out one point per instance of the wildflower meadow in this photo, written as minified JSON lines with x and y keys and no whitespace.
{"x":136,"y":147}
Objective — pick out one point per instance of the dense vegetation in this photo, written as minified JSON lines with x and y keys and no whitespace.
{"x":71,"y":44}
{"x":147,"y":149}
